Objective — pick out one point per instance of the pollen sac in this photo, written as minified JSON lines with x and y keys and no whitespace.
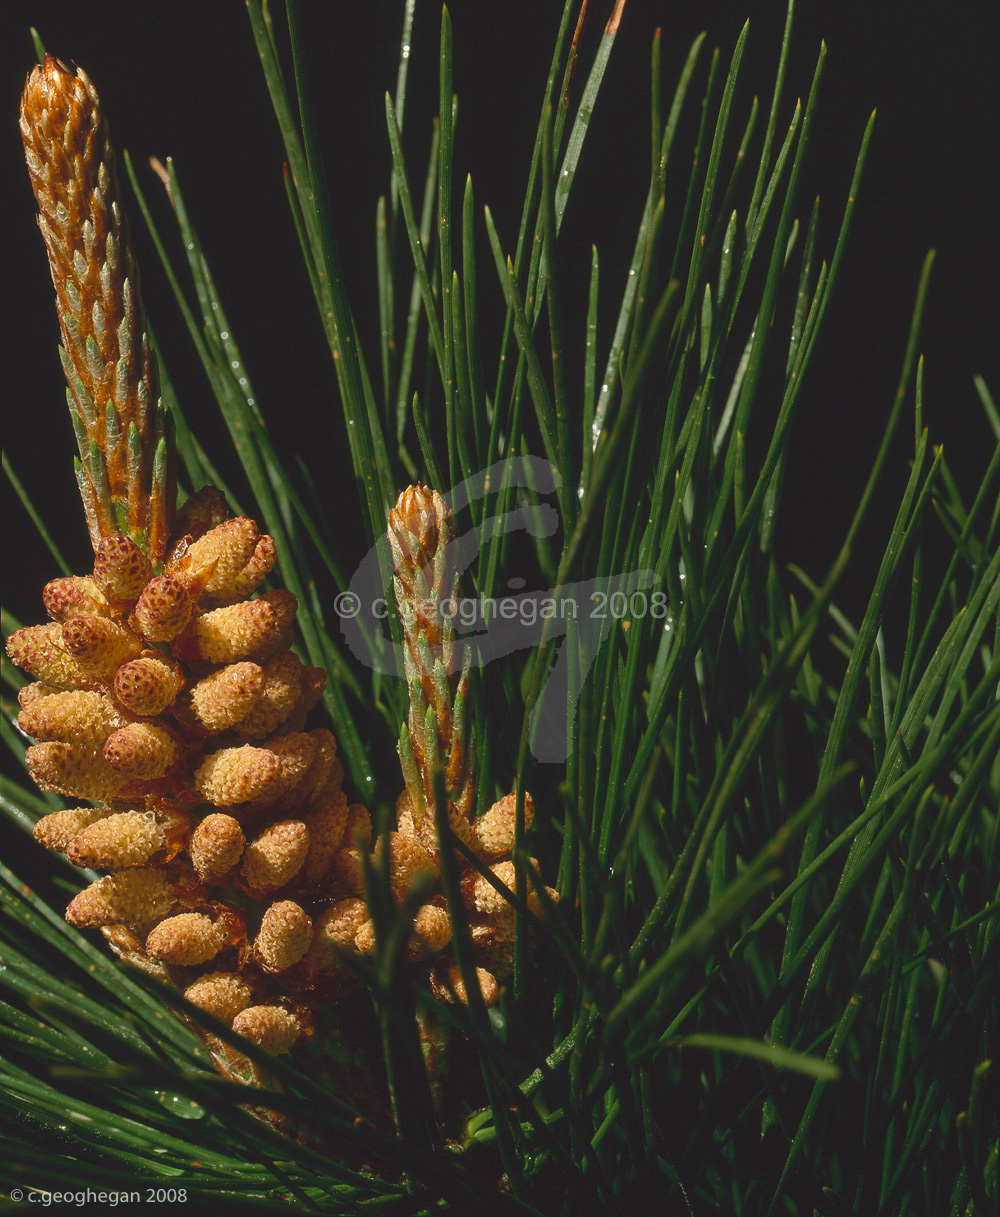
{"x":494,"y":831}
{"x":326,"y":822}
{"x":222,"y":994}
{"x":148,"y":685}
{"x":313,"y":684}
{"x":269,"y":1027}
{"x":264,"y":556}
{"x":163,"y":609}
{"x":486,"y":898}
{"x":449,"y":986}
{"x":124,"y":839}
{"x":336,"y":928}
{"x":493,"y":940}
{"x":73,"y":595}
{"x":296,"y":753}
{"x":121,"y":569}
{"x":97,"y":644}
{"x":131,"y":897}
{"x":279,"y":695}
{"x":535,"y":903}
{"x":275,"y":857}
{"x":408,"y":859}
{"x":317,"y":775}
{"x":74,"y":770}
{"x":359,"y":826}
{"x":56,"y":830}
{"x":202,"y":511}
{"x":141,"y":750}
{"x":72,"y":717}
{"x":186,"y":939}
{"x":347,"y":867}
{"x":221,"y":700}
{"x":175,"y":821}
{"x":237,"y":775}
{"x":38,"y":649}
{"x":432,"y":931}
{"x":365,"y":940}
{"x":427,"y":832}
{"x":284,"y":936}
{"x":28,"y":694}
{"x":252,"y":629}
{"x":216,"y":846}
{"x":220,"y":554}
{"x":228,"y":561}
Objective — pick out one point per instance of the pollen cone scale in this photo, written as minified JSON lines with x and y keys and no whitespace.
{"x":125,"y":468}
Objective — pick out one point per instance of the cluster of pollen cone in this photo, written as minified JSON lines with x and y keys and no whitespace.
{"x":234,"y":859}
{"x":172,"y":704}
{"x":170,"y":712}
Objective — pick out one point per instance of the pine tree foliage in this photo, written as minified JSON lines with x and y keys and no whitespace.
{"x":765,"y":979}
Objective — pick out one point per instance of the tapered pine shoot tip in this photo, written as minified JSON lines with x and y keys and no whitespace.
{"x":126,"y":481}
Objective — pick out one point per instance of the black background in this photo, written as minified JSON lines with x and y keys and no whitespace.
{"x":182,"y":79}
